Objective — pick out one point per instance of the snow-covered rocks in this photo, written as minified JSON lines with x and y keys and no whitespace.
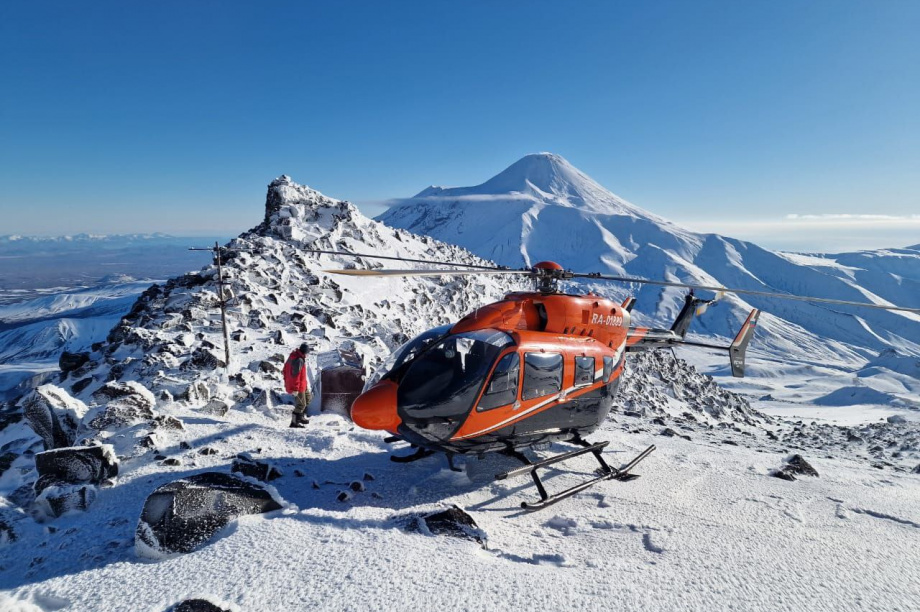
{"x":795,"y":466}
{"x":181,"y":516}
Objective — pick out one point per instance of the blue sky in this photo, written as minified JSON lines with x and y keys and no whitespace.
{"x":723,"y":116}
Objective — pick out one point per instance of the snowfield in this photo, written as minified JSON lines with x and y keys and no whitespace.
{"x":707,"y":526}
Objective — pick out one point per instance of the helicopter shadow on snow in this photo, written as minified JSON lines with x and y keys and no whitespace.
{"x":330,"y":484}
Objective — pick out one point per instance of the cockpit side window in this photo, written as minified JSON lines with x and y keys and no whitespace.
{"x":542,"y":375}
{"x":584,"y":371}
{"x":503,"y":386}
{"x":608,"y":368}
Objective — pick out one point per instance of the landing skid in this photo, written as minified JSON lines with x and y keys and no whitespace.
{"x":606,"y":472}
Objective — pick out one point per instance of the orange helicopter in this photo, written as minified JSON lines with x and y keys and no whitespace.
{"x":535,"y":367}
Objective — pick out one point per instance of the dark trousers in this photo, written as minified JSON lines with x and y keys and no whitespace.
{"x":301,"y":401}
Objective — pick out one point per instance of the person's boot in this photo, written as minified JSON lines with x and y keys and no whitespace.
{"x":298,"y":421}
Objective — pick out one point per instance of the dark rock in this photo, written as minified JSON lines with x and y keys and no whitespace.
{"x":81,"y":384}
{"x":23,"y":496}
{"x":166,"y":397}
{"x":165,"y":421}
{"x":299,"y":474}
{"x":7,"y":532}
{"x":268,"y":367}
{"x":205,"y":359}
{"x":658,"y":421}
{"x":69,"y":362}
{"x":368,"y":477}
{"x":896,"y":419}
{"x":357,"y":486}
{"x":797,"y":465}
{"x":75,"y":465}
{"x":730,"y":442}
{"x":196,"y":605}
{"x":632,"y":413}
{"x":183,"y":515}
{"x":782,"y":474}
{"x":6,"y":460}
{"x":159,"y":457}
{"x":670,"y":433}
{"x":453,"y":522}
{"x":217,"y":407}
{"x":853,"y":438}
{"x":171,"y":461}
{"x":277,"y":337}
{"x":185,"y":445}
{"x":343,"y":496}
{"x":238,"y":336}
{"x":247,"y":466}
{"x":208,"y":450}
{"x":916,"y":470}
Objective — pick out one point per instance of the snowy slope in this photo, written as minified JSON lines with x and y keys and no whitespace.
{"x":34,"y":332}
{"x":701,"y":530}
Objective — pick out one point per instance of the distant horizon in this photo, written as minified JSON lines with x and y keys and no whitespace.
{"x":780,"y":123}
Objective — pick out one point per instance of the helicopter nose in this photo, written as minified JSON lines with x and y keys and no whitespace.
{"x":376,"y":407}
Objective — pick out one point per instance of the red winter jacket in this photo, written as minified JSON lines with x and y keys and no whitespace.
{"x":295,"y":373}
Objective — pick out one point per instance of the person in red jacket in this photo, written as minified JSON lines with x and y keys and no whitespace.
{"x":296,"y":383}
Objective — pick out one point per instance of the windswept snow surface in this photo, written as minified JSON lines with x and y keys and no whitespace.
{"x":705,"y":527}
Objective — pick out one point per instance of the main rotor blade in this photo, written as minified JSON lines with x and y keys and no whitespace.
{"x":428,"y":272}
{"x":424,"y":261}
{"x":784,"y":296}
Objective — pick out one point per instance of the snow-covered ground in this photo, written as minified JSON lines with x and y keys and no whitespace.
{"x":706,"y":526}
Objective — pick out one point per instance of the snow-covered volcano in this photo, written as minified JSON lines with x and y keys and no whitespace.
{"x":541,"y":207}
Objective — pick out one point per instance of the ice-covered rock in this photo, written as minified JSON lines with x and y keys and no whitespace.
{"x":125,"y":404}
{"x":183,"y":515}
{"x":197,"y":605}
{"x":452,"y":522}
{"x":57,"y":500}
{"x":69,"y":362}
{"x":75,"y":465}
{"x":53,"y":414}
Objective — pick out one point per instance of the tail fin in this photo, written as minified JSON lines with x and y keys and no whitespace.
{"x":628,"y":304}
{"x":738,"y":348}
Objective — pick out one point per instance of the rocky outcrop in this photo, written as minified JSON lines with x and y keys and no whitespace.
{"x":183,"y":515}
{"x":795,"y":466}
{"x":125,"y":404}
{"x":69,"y":362}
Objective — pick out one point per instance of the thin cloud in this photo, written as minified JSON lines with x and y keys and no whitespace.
{"x":851,"y":217}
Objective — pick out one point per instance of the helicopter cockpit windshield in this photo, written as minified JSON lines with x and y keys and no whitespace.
{"x":439,"y":388}
{"x":407,"y":352}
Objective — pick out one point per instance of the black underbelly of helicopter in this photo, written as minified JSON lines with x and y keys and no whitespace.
{"x":577,"y":417}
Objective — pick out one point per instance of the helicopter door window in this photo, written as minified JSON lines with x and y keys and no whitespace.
{"x":584,"y":371}
{"x":542,"y":374}
{"x":608,"y":368}
{"x":503,"y":386}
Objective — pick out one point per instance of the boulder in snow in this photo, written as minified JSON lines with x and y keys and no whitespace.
{"x":795,"y":465}
{"x":260,"y":470}
{"x":896,"y":419}
{"x":183,"y":515}
{"x":75,"y":465}
{"x":53,"y":414}
{"x":217,"y":407}
{"x":453,"y":522}
{"x":197,"y":605}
